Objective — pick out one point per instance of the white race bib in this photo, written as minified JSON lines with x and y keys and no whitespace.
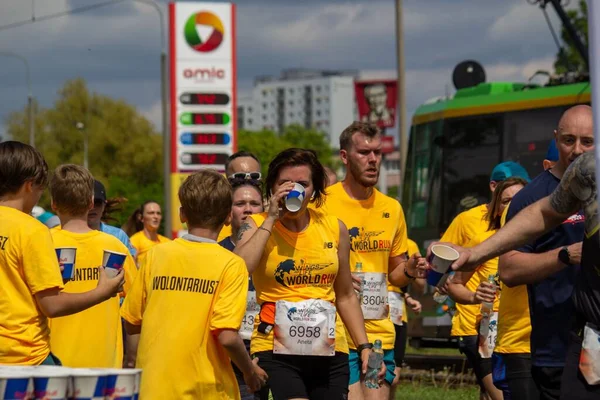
{"x":396,"y":303}
{"x":589,"y":361}
{"x":305,"y":328}
{"x":252,"y":309}
{"x":488,"y":332}
{"x":375,"y":296}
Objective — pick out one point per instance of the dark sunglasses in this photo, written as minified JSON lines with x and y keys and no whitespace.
{"x":246,"y":175}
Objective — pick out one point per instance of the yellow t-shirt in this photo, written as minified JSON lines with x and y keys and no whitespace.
{"x":225,"y":232}
{"x":184,"y":294}
{"x":92,"y":338}
{"x":467,"y":316}
{"x":377,"y":231}
{"x":142,"y":244}
{"x":514,"y":320}
{"x":466,"y":225}
{"x":412,"y":249}
{"x":297,"y":267}
{"x":28,"y":265}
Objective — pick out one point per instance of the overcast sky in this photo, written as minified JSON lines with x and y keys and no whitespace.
{"x":117,"y":48}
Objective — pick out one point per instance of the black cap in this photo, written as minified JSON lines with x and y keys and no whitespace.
{"x":99,"y":191}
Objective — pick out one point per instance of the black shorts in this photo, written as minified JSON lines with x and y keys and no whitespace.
{"x":309,"y":377}
{"x":400,"y":343}
{"x":547,"y":380}
{"x":573,"y":384}
{"x":513,"y":370}
{"x":469,"y":346}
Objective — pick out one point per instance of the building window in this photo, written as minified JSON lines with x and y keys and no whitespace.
{"x":249,"y":109}
{"x":264,"y":93}
{"x":291,"y":90}
{"x":249,"y":121}
{"x":318,"y":100}
{"x":318,"y":88}
{"x":291,"y":115}
{"x":291,"y":102}
{"x":264,"y":106}
{"x":264,"y":117}
{"x":318,"y":112}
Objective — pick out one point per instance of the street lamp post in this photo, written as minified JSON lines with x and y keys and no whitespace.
{"x":165,"y":119}
{"x":29,"y":93}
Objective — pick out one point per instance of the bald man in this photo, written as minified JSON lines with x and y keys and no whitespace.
{"x":548,"y":262}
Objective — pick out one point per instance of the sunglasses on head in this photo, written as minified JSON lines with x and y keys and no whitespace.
{"x":246,"y":175}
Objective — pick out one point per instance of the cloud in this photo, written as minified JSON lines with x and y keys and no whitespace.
{"x":154,"y":115}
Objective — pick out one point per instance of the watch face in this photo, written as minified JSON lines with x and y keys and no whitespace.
{"x":563,"y":256}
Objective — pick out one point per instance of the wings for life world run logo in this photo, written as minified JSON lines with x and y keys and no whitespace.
{"x":362,"y":241}
{"x":303,"y":274}
{"x":204,"y":19}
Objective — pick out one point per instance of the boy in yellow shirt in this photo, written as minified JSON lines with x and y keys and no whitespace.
{"x":92,"y":338}
{"x":32,"y":286}
{"x":188,"y":302}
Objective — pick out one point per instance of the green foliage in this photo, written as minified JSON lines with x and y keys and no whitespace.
{"x":569,"y":59}
{"x":123,"y":145}
{"x":267,"y":144}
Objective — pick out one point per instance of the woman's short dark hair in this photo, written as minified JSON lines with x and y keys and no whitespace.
{"x":295,"y":157}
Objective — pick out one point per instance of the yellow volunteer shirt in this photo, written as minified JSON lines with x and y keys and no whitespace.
{"x":142,"y":244}
{"x":28,"y":265}
{"x":296,"y":267}
{"x":377,"y":232}
{"x":92,"y":338}
{"x":466,"y":225}
{"x":514,"y":321}
{"x":184,"y":294}
{"x":225,"y":232}
{"x":412,"y":249}
{"x":466,"y":318}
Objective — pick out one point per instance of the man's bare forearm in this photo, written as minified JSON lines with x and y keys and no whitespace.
{"x":525,"y":227}
{"x":517,"y":268}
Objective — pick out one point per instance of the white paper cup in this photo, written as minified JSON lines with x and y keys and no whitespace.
{"x":443,"y":257}
{"x":295,"y":198}
{"x":51,"y":383}
{"x":15,"y":384}
{"x":112,"y":262}
{"x":88,"y":384}
{"x":122,"y":384}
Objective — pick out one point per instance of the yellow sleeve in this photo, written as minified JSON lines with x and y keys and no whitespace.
{"x":455,"y":232}
{"x":230,"y":304}
{"x":130,"y":273}
{"x":412,"y":247}
{"x":135,"y":301}
{"x":400,"y":244}
{"x":504,"y":213}
{"x":40,"y":264}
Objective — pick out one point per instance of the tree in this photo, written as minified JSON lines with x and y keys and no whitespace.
{"x":267,"y":144}
{"x":123,"y":145}
{"x":568,"y":58}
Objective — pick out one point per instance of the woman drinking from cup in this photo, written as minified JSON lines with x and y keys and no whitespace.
{"x":298,"y":258}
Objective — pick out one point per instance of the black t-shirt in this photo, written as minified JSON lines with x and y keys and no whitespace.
{"x":550,"y":301}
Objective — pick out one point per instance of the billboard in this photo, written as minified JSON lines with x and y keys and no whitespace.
{"x":203,"y":93}
{"x":376,"y":102}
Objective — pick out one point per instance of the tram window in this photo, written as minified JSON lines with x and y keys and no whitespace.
{"x":527,"y":135}
{"x":422,"y":169}
{"x":471,"y":150}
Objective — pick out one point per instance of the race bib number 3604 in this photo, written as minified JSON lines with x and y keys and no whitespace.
{"x":252,"y":308}
{"x":305,"y":328}
{"x":375,"y":296}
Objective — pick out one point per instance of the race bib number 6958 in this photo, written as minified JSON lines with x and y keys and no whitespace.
{"x":304,"y":328}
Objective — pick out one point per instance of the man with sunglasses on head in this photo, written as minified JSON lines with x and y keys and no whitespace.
{"x":243,"y":165}
{"x":240,"y":165}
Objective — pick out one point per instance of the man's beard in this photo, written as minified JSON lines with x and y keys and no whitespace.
{"x":358,"y":177}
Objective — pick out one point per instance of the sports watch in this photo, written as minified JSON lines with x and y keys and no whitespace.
{"x":564,"y":256}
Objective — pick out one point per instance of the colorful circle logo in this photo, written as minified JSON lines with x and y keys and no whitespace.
{"x":208,"y":19}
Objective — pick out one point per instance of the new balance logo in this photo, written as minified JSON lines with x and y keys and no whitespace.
{"x":385,"y":215}
{"x":328,"y":245}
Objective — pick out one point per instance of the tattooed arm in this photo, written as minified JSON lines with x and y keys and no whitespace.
{"x":577,"y":189}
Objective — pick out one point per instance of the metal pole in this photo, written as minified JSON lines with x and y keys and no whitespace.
{"x":401,"y":95}
{"x":594,"y":46}
{"x":29,"y":93}
{"x":168,"y":218}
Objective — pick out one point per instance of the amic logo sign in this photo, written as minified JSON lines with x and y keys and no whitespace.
{"x":204,"y":19}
